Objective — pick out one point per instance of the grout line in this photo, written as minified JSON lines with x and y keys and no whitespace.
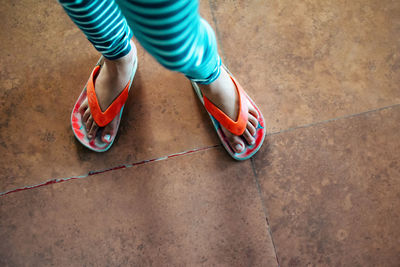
{"x":219,"y":39}
{"x":90,"y":173}
{"x":289,"y":130}
{"x":333,"y":119}
{"x":264,"y":208}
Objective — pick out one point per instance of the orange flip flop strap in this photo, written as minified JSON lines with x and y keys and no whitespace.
{"x":235,"y":127}
{"x":100,"y":117}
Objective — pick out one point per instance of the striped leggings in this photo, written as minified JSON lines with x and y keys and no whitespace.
{"x":170,"y":30}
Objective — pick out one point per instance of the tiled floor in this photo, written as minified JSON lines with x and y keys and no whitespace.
{"x":323,"y":191}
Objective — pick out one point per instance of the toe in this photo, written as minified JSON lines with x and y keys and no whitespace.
{"x":252,"y":109}
{"x":252,"y":120}
{"x":83,"y":107}
{"x":250,"y":127}
{"x":107,"y":134}
{"x":109,"y":131}
{"x":93,"y":130}
{"x":89,"y":123}
{"x":236,"y":144}
{"x":248,"y":137}
{"x":86,"y":116}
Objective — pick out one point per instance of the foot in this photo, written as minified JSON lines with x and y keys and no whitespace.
{"x":222,"y":93}
{"x":111,"y":81}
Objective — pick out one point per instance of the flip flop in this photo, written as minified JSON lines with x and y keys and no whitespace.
{"x":237,"y":127}
{"x":101,"y":118}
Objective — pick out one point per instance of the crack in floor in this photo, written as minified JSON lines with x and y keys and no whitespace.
{"x":91,"y":173}
{"x":123,"y":166}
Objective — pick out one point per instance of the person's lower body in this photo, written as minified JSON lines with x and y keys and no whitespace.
{"x":175,"y":34}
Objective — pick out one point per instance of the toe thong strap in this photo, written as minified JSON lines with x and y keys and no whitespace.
{"x":235,"y":127}
{"x":100,"y":117}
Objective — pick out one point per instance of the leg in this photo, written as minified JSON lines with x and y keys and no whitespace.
{"x":175,"y":34}
{"x":106,"y":28}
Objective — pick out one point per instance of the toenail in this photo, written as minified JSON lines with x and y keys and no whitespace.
{"x":238,"y":147}
{"x":90,"y":136}
{"x":253,"y":142}
{"x":107,"y":137}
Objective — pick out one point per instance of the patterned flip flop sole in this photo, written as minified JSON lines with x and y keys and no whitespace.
{"x":96,"y":144}
{"x":259,"y":136}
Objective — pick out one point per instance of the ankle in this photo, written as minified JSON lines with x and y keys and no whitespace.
{"x":221,"y":86}
{"x":120,"y":64}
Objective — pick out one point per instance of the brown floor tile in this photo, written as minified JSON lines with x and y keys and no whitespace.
{"x":46,"y":62}
{"x":312,"y":60}
{"x":201,"y":209}
{"x":332,"y":191}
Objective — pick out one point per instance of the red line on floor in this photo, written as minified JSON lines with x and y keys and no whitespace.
{"x":91,"y":173}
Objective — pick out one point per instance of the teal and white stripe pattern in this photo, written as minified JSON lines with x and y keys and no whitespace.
{"x":170,"y":30}
{"x":103,"y":24}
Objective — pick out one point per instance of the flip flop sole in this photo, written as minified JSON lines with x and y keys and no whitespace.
{"x":259,"y":136}
{"x":96,"y":144}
